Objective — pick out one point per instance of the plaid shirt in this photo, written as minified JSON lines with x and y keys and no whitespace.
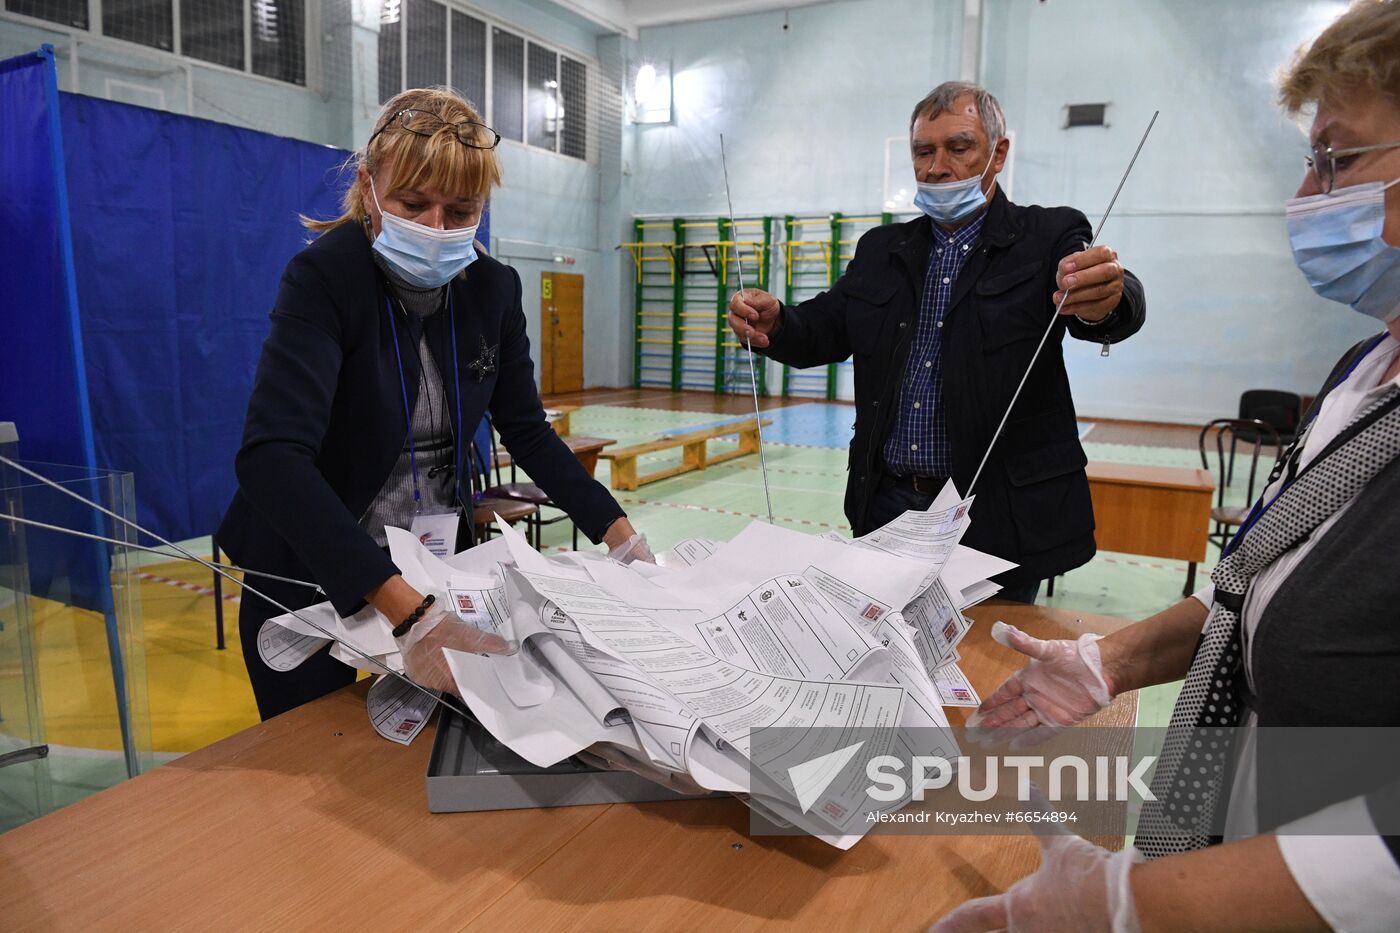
{"x":918,"y":445}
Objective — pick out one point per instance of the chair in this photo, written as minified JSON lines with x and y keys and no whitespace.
{"x":1228,"y":518}
{"x":1280,"y":410}
{"x":486,"y":505}
{"x":522,"y":492}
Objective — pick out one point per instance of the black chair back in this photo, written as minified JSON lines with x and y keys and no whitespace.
{"x":1279,"y":410}
{"x":1225,"y":435}
{"x":479,"y":456}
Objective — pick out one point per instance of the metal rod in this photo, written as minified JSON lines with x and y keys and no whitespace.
{"x":430,"y":694}
{"x":1060,"y":307}
{"x":753,"y":377}
{"x":5,"y":516}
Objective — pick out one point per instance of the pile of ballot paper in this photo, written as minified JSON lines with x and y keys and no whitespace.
{"x":671,"y":669}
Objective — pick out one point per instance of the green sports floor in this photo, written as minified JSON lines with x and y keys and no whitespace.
{"x":197,"y":694}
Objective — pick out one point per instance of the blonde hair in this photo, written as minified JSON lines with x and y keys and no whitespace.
{"x":439,"y":161}
{"x":1360,"y":51}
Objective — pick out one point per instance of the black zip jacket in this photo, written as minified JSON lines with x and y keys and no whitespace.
{"x":1033,"y":502}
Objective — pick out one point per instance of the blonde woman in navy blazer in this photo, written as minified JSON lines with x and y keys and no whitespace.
{"x":325,"y":463}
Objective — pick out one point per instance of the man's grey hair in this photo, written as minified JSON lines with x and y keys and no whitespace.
{"x":942,"y":98}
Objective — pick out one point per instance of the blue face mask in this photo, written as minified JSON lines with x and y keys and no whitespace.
{"x":1336,"y":240}
{"x":952,"y":201}
{"x":424,"y":256}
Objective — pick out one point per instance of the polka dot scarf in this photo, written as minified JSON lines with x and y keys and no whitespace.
{"x":1192,"y":770}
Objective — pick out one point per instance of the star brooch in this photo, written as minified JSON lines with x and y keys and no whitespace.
{"x":485,"y":364}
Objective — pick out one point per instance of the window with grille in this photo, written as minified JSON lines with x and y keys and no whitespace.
{"x":508,"y":84}
{"x":527,"y":91}
{"x":279,"y":40}
{"x":149,"y":22}
{"x":542,"y":98}
{"x":65,"y":12}
{"x":212,"y":31}
{"x":426,"y":25}
{"x":573,"y":108}
{"x":261,"y":37}
{"x":469,"y":58}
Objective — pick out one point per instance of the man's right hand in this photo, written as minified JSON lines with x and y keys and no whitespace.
{"x":754,"y":315}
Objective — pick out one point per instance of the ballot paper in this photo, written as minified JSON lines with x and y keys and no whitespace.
{"x":967,"y":573}
{"x":937,"y":623}
{"x":398,"y":711}
{"x":927,"y":537}
{"x":954,"y":688}
{"x":283,"y":649}
{"x":689,"y":552}
{"x":686,"y":665}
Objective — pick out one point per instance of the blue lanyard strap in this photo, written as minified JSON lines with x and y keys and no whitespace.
{"x":457,"y":383}
{"x":1260,"y":507}
{"x":407,"y":411}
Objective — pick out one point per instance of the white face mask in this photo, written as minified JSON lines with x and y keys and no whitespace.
{"x":952,"y":201}
{"x":1337,"y":243}
{"x":424,"y":256}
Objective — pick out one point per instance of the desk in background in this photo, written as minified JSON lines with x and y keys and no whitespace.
{"x":558,"y":417}
{"x":310,"y":820}
{"x":586,"y":449}
{"x":1152,"y":511}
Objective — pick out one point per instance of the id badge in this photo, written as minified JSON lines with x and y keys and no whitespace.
{"x":437,"y":533}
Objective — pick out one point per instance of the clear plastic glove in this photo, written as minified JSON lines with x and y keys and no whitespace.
{"x":1064,"y":684}
{"x":608,"y":757}
{"x":1079,"y":888}
{"x":634,"y":548}
{"x":421,"y":647}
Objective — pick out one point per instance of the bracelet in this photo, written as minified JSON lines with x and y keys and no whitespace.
{"x":1100,"y":322}
{"x":402,"y":628}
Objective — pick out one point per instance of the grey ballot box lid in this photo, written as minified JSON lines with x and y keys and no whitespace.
{"x":469,"y":771}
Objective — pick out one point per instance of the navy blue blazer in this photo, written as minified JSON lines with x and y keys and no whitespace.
{"x":326,"y":422}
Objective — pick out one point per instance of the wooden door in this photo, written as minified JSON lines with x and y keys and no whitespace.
{"x":561,"y":330}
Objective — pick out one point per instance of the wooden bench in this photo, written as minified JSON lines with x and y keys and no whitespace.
{"x":694,"y":455}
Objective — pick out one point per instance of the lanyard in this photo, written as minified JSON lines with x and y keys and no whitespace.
{"x":1260,"y":507}
{"x":457,"y":384}
{"x":408,"y":412}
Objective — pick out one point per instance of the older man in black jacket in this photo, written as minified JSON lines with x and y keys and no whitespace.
{"x":942,"y":316}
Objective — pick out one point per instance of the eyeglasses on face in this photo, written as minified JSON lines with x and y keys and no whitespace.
{"x":1325,"y":161}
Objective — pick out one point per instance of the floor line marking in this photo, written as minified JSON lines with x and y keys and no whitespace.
{"x":184,"y":585}
{"x":1140,"y":563}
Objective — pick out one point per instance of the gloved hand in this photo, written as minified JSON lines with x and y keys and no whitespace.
{"x":441,"y":627}
{"x":1079,"y":888}
{"x":634,"y":548}
{"x":1064,"y":684}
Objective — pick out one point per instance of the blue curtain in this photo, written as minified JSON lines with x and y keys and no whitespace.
{"x":181,"y":230}
{"x":41,"y":381}
{"x":42,"y":378}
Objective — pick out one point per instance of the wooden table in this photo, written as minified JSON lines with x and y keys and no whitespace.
{"x":310,"y":821}
{"x":585,"y":448}
{"x":1153,"y":511}
{"x":560,"y":422}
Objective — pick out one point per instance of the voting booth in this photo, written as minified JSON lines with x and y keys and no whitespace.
{"x":84,"y":595}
